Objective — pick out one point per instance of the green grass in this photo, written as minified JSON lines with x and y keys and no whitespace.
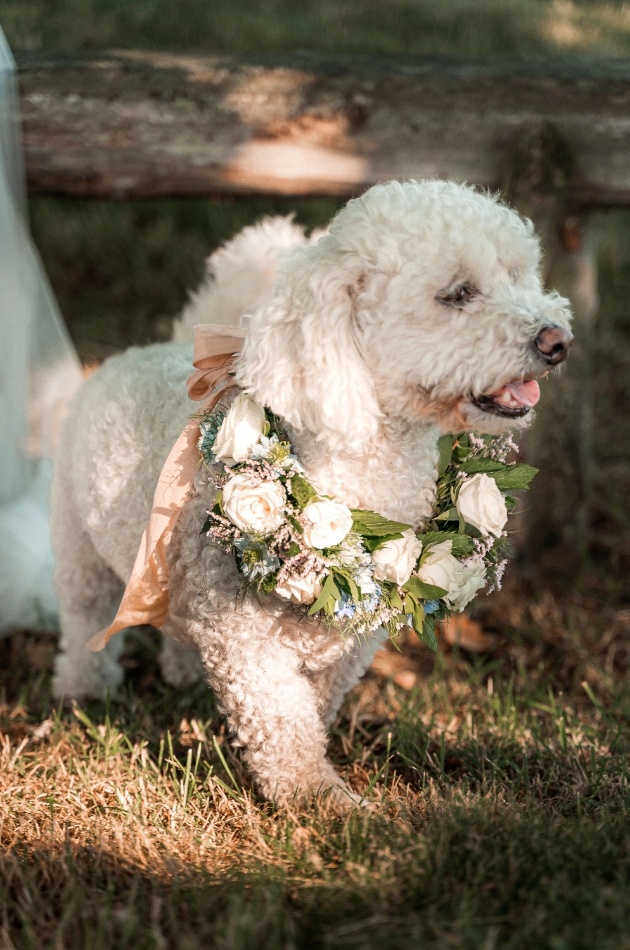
{"x":369,"y":26}
{"x":499,"y":792}
{"x":121,"y":273}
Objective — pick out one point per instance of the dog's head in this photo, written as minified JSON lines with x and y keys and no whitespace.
{"x":424,"y":301}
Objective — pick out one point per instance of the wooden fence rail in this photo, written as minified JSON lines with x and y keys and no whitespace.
{"x":553,"y":134}
{"x":130,"y":124}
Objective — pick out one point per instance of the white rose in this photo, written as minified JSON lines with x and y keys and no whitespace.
{"x":396,"y":559}
{"x":240,"y":430}
{"x":253,"y":505}
{"x":300,"y":590}
{"x":440,"y":568}
{"x":326,"y":523}
{"x":481,"y":504}
{"x":470,"y":579}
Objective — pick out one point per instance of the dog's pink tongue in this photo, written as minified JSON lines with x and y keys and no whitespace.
{"x":525,"y":393}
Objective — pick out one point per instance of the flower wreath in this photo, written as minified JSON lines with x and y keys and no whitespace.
{"x":353,"y":566}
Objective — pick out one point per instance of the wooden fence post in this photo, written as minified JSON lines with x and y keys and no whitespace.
{"x":561,"y":442}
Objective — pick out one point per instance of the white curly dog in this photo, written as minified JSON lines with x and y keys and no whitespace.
{"x":421,"y":310}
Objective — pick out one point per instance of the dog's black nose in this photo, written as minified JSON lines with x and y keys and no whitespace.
{"x":552,"y":343}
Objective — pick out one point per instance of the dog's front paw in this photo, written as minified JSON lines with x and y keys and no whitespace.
{"x":327,"y":787}
{"x":180,"y":665}
{"x":96,"y":676}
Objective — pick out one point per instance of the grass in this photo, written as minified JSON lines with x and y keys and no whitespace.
{"x":121,"y":273}
{"x":499,"y":788}
{"x":415,"y":27}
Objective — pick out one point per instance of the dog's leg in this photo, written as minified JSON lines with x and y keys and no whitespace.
{"x":180,"y":664}
{"x":333,"y":682}
{"x":273,"y":710}
{"x":89,"y":593}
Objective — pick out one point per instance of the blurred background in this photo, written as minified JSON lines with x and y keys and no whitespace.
{"x":121,"y":271}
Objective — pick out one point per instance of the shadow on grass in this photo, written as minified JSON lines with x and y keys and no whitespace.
{"x":471,"y":874}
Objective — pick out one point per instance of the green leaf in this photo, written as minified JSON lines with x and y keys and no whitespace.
{"x":428,"y":632}
{"x":487,"y":466}
{"x":395,"y":599}
{"x":445,"y":451}
{"x":417,"y":619}
{"x":371,"y":544}
{"x":296,"y":524}
{"x":347,"y":581}
{"x":267,"y":583}
{"x":302,"y":490}
{"x":516,"y":477}
{"x":470,"y":530}
{"x":330,"y":591}
{"x":421,"y":591}
{"x":370,"y":524}
{"x":461,"y":544}
{"x":449,"y":515}
{"x":206,"y":525}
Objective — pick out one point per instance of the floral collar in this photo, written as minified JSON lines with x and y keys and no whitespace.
{"x":354,"y":567}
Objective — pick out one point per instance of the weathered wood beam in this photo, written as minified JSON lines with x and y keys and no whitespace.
{"x":122,"y":125}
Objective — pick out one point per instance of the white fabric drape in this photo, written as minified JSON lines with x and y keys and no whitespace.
{"x":39,"y":372}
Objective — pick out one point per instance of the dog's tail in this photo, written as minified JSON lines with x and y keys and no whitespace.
{"x":240,"y":275}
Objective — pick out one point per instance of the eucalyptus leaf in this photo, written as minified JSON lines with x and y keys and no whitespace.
{"x":422,"y":591}
{"x":354,"y":591}
{"x":417,"y":618}
{"x":428,"y":633}
{"x":329,"y":592}
{"x":445,"y":452}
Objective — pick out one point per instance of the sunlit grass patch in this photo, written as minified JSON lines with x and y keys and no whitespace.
{"x":497,"y":794}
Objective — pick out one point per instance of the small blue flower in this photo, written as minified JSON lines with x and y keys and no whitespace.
{"x":256,"y":561}
{"x":345,"y":607}
{"x":371,"y":603}
{"x":431,"y":606}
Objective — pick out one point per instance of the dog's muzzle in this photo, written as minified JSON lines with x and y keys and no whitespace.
{"x":552,"y":345}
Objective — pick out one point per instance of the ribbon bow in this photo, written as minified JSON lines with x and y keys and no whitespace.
{"x":145,"y":599}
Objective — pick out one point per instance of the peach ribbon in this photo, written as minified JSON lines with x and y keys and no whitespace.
{"x":145,"y":599}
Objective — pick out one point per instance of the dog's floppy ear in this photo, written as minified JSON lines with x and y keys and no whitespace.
{"x":302,"y":356}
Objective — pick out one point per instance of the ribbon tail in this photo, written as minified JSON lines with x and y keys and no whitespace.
{"x":145,"y":600}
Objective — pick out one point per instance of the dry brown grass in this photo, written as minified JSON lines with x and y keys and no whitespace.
{"x":498,"y":786}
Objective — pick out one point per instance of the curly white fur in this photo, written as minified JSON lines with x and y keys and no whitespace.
{"x":241,"y":274}
{"x":366,"y":362}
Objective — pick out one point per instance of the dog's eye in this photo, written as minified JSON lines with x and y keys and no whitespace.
{"x":457,"y":296}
